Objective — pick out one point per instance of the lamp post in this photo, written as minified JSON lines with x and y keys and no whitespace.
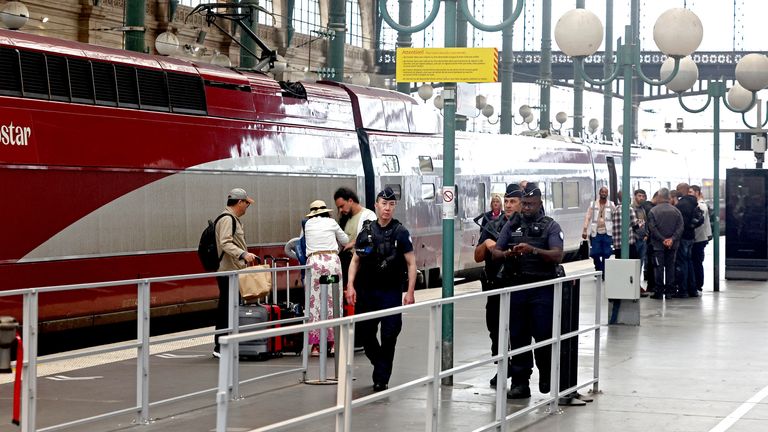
{"x":579,"y":33}
{"x":752,"y":74}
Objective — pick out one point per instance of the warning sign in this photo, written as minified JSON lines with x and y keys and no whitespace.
{"x":447,"y":65}
{"x":449,"y":195}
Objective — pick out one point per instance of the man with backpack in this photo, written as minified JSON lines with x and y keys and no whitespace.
{"x":384,"y":265}
{"x":231,"y":250}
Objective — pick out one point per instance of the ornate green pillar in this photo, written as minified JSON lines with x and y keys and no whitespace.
{"x":134,"y":17}
{"x":337,"y":21}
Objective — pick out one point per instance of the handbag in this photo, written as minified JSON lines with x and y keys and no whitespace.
{"x":254,"y":286}
{"x":583,"y":250}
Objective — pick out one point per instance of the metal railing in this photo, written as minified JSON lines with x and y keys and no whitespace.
{"x":342,"y":410}
{"x":29,"y":396}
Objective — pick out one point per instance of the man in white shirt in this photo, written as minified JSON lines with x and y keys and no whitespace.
{"x":352,"y":217}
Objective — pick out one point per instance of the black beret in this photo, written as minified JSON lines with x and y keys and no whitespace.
{"x":387,"y":194}
{"x":513,"y":191}
{"x":532,"y":190}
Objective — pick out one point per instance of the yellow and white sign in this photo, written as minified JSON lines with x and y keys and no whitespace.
{"x":475,"y":65}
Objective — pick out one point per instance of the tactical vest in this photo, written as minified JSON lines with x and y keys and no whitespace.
{"x":530,"y":265}
{"x":383,"y":260}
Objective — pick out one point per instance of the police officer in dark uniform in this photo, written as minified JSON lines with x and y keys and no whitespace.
{"x":531,"y":248}
{"x":384,"y":265}
{"x":489,"y":233}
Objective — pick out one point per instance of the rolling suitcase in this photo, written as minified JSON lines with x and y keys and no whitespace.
{"x":253,"y":314}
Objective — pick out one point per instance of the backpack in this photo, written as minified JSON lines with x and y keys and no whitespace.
{"x":206,"y":249}
{"x":697,"y":218}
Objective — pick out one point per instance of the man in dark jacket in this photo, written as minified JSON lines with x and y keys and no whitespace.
{"x":665,"y":225}
{"x":687,"y":204}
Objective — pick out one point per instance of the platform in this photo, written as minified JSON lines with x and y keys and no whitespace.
{"x":690,"y":364}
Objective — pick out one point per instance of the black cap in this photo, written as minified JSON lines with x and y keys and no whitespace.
{"x":513,"y":191}
{"x":532,"y":190}
{"x":387,"y":194}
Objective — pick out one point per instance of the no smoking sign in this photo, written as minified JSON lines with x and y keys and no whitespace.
{"x":449,"y":193}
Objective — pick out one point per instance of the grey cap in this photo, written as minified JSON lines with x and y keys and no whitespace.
{"x":239,"y":194}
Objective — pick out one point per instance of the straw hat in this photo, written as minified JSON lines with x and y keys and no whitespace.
{"x":317,"y":207}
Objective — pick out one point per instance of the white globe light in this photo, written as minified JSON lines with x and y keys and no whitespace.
{"x":14,"y":15}
{"x":425,"y":92}
{"x":480,"y":102}
{"x":593,"y":124}
{"x":361,"y":79}
{"x":752,"y":72}
{"x":166,"y":43}
{"x":488,"y":110}
{"x":620,"y":129}
{"x":524,"y":111}
{"x":224,"y":61}
{"x":687,"y":74}
{"x":678,"y":32}
{"x":529,"y":118}
{"x":561,"y":117}
{"x":739,"y":98}
{"x":438,"y":102}
{"x":578,"y":33}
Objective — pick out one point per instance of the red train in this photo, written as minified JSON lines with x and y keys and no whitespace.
{"x":112,"y":162}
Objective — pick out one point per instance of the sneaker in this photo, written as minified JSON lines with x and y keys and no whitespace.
{"x":216,"y":354}
{"x":377,"y":387}
{"x":494,"y":380}
{"x":519,"y":391}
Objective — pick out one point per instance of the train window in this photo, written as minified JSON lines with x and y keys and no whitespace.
{"x":571,"y":194}
{"x":80,"y":80}
{"x":425,"y":164}
{"x":104,"y":83}
{"x":10,"y":79}
{"x":427,"y":191}
{"x":557,"y":195}
{"x":58,"y":77}
{"x":153,"y":91}
{"x":396,"y":189}
{"x":187,"y":93}
{"x":127,"y":86}
{"x":498,"y":188}
{"x":34,"y":75}
{"x":391,"y":163}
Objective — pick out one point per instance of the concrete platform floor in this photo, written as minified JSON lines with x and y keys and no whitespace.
{"x":689,"y":365}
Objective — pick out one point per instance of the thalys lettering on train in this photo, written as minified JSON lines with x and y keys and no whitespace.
{"x":11,"y":134}
{"x":133,"y":172}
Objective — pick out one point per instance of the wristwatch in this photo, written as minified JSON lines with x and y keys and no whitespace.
{"x":535,"y":251}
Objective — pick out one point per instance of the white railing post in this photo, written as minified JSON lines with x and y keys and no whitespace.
{"x":345,"y":353}
{"x":142,"y":351}
{"x":305,"y":346}
{"x":323,"y":332}
{"x":434,"y":357}
{"x":554,"y":374}
{"x":223,"y":394}
{"x":29,"y":371}
{"x":234,"y":328}
{"x":502,"y":369}
{"x":598,"y":307}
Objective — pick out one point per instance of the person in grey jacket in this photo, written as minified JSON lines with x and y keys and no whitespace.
{"x":665,"y":226}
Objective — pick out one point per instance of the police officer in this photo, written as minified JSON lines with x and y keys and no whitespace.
{"x":384,"y":265}
{"x":489,"y":233}
{"x":531,"y":248}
